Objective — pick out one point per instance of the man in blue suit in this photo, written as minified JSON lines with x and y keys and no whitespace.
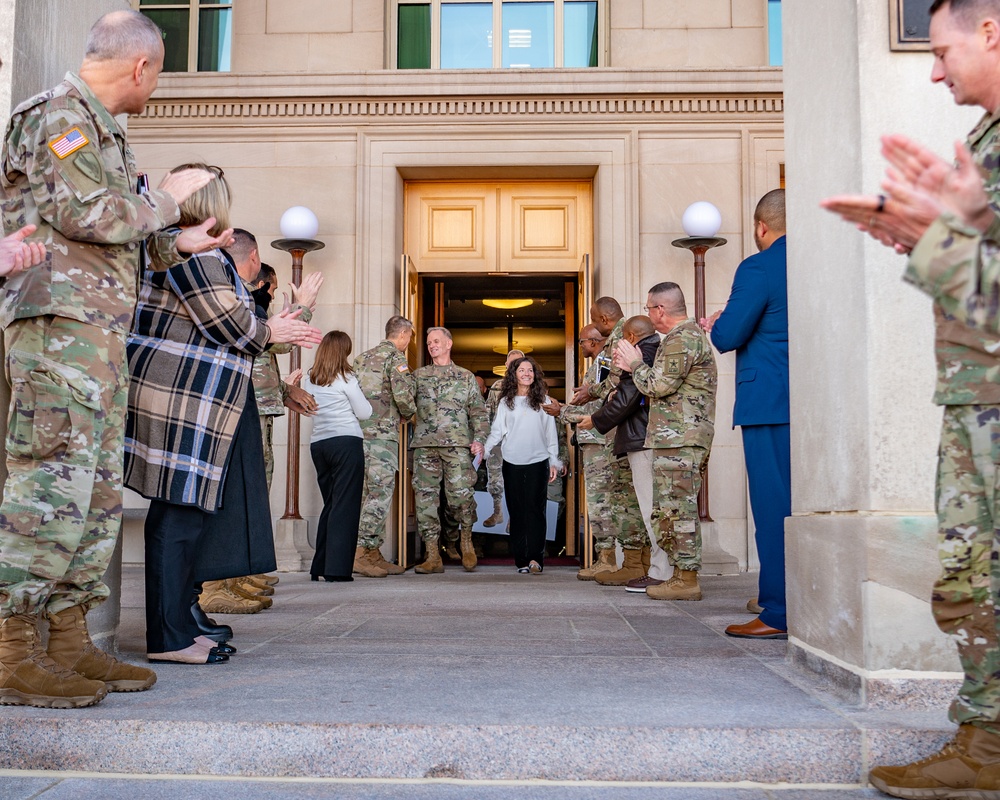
{"x":754,"y":323}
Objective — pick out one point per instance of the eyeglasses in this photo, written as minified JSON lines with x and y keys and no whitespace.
{"x":650,"y":308}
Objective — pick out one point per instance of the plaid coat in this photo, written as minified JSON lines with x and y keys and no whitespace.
{"x":190,"y":354}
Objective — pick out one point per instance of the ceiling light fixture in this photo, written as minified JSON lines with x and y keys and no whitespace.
{"x":508,"y":303}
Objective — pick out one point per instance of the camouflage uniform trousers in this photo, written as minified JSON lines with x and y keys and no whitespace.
{"x":597,"y":479}
{"x":453,"y":466}
{"x":630,"y":529}
{"x":381,"y":465}
{"x":494,"y":468}
{"x":964,"y":598}
{"x":676,"y":482}
{"x":267,"y":437}
{"x":62,"y":503}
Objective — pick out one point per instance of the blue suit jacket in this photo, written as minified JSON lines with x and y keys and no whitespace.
{"x":755,"y":325}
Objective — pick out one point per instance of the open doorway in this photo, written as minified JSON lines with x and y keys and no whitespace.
{"x":487,"y":315}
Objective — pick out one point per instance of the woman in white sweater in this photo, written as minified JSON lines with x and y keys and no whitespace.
{"x":530,"y":450}
{"x":338,"y":453}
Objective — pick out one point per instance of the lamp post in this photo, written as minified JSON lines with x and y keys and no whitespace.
{"x":701,"y":221}
{"x":298,"y":226}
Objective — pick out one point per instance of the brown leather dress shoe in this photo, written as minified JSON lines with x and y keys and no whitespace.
{"x":755,"y":629}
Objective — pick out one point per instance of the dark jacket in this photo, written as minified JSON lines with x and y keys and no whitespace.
{"x":627,"y":409}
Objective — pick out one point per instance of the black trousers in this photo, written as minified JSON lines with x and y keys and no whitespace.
{"x":340,"y":472}
{"x":526,"y":489}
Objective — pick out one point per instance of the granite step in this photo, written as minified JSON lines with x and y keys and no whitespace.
{"x":465,"y":679}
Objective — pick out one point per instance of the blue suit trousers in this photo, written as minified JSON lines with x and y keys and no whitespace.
{"x":767,"y":451}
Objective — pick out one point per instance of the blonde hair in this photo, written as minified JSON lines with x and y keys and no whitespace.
{"x":212,"y":200}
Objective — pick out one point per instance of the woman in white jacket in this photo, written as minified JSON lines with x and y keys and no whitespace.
{"x":338,"y":453}
{"x":530,"y":450}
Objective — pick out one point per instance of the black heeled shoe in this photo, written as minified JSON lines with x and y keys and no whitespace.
{"x":207,"y":626}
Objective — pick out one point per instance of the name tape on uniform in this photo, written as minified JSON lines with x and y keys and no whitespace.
{"x":69,"y":142}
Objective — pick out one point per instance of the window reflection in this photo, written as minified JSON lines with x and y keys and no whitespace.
{"x":528,"y":35}
{"x":466,"y":35}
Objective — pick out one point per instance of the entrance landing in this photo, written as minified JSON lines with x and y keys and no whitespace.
{"x":484,"y":676}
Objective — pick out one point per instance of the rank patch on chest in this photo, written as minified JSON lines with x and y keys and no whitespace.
{"x":69,"y":142}
{"x":674,"y":365}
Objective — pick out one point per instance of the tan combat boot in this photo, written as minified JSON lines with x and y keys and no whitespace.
{"x":259,"y":587}
{"x":683,"y":585}
{"x":270,"y":580}
{"x":469,"y":559}
{"x":631,"y":569}
{"x":29,"y":677}
{"x":218,"y":598}
{"x":433,"y":562}
{"x":237,"y":586}
{"x":366,"y":566}
{"x":496,"y":517}
{"x":70,"y":646}
{"x":605,"y":562}
{"x":388,"y":566}
{"x":968,"y":764}
{"x":451,"y":551}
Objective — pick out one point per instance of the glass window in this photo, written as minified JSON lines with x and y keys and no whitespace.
{"x":580,"y":34}
{"x":466,"y":35}
{"x":528,"y":35}
{"x":774,"y":32}
{"x":534,"y":34}
{"x":414,"y":50}
{"x":197,"y":34}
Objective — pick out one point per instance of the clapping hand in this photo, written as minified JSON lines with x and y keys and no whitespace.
{"x":17,"y":254}
{"x":287,"y":328}
{"x":305,"y":293}
{"x":625,"y":354}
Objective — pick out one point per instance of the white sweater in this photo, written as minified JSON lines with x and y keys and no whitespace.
{"x":525,"y":436}
{"x":341,"y":405}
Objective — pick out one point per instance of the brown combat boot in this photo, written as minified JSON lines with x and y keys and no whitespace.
{"x":433,"y":562}
{"x":29,"y":677}
{"x":260,"y":587}
{"x":70,"y":646}
{"x":237,"y":586}
{"x":631,"y":569}
{"x":605,"y":562}
{"x":496,"y":517}
{"x":218,"y":598}
{"x":365,"y":565}
{"x":270,"y":580}
{"x":968,"y":766}
{"x":451,"y":551}
{"x":388,"y":566}
{"x":683,"y":585}
{"x":469,"y":559}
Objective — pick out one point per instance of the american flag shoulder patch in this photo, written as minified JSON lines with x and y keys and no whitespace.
{"x":403,"y":368}
{"x":69,"y":142}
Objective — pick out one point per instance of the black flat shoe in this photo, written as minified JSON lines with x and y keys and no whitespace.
{"x":337,"y":578}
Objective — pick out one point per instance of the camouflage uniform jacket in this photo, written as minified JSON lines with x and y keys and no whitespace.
{"x":269,"y":390}
{"x":386,"y":381}
{"x":601,"y":390}
{"x":681,"y":385}
{"x":67,"y":168}
{"x":573,"y":414}
{"x":450,"y":409}
{"x":493,"y":399}
{"x":961,"y":270}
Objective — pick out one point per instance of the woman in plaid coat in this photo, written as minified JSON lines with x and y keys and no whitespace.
{"x":192,"y":438}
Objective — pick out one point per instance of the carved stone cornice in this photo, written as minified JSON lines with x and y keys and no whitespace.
{"x":388,"y":97}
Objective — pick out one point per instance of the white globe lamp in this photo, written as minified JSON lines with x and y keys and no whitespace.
{"x":299,"y":222}
{"x":701,"y":219}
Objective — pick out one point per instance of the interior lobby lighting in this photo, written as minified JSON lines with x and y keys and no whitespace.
{"x":507,"y":303}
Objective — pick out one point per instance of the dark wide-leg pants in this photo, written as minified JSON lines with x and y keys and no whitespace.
{"x":526,"y":488}
{"x":340,"y":472}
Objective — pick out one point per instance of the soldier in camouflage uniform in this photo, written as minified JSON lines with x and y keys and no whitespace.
{"x":953,"y":262}
{"x":681,"y":386}
{"x":494,"y":461}
{"x":66,"y":167}
{"x":385,"y":378}
{"x":598,"y":459}
{"x":451,"y":427}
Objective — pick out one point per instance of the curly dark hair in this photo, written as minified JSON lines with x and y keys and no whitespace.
{"x":536,"y":392}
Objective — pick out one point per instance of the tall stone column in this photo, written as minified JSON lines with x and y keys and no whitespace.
{"x":861,"y":550}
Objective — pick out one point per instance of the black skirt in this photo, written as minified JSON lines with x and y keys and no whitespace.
{"x":238,"y":539}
